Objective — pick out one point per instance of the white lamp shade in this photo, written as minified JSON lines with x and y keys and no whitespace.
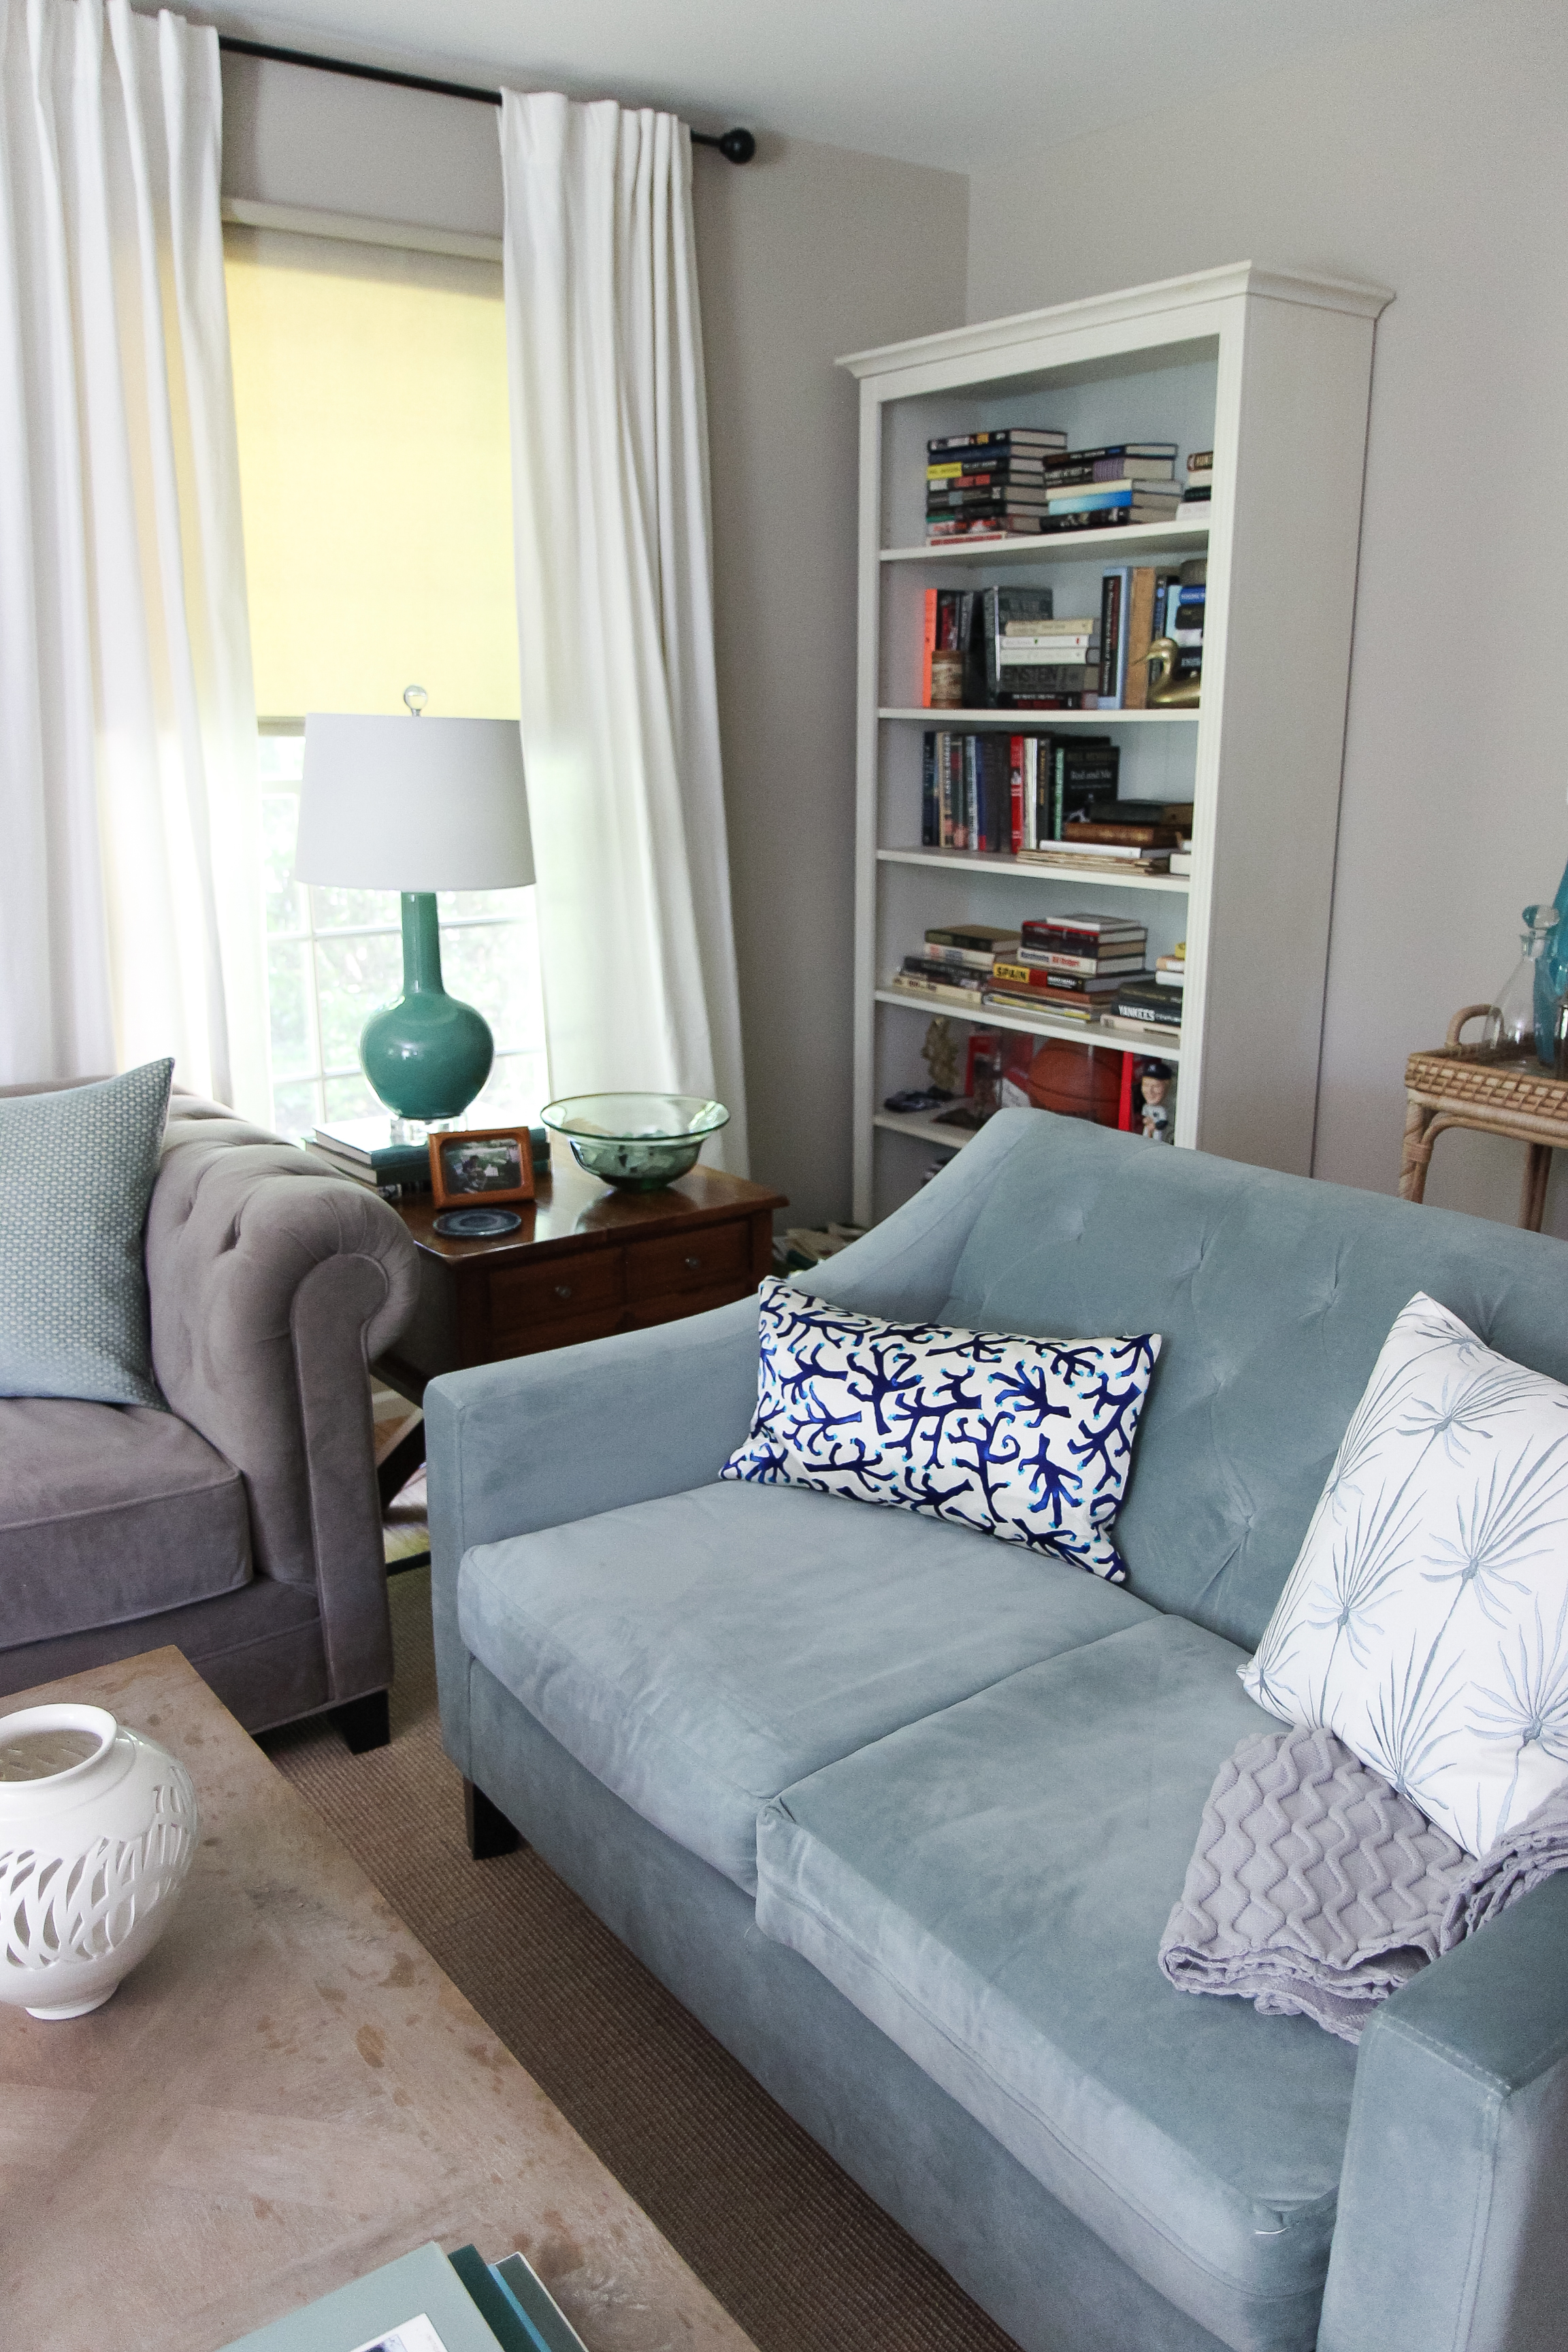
{"x":413,"y":804}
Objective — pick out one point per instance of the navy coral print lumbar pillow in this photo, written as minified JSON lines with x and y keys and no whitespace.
{"x":1030,"y":1440}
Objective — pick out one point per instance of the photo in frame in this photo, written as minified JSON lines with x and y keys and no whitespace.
{"x":488,"y":1164}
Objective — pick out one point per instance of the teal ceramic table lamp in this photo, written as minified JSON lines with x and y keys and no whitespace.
{"x":417,"y":805}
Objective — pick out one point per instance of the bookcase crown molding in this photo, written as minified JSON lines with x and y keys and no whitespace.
{"x":993,"y":337}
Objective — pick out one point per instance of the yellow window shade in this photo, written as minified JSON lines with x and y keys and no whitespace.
{"x":369,"y":390}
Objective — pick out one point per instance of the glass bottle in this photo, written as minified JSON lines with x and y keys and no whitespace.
{"x":1514,"y":1023}
{"x":1551,"y":977}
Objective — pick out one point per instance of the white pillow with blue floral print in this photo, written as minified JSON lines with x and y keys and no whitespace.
{"x":1030,"y":1440}
{"x":1425,"y":1620}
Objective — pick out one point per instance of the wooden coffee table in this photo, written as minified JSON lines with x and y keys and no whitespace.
{"x":285,"y":2095}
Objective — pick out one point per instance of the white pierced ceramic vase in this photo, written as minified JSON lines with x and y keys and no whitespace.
{"x":98,"y":1829}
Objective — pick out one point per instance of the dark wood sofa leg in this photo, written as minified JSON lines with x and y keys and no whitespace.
{"x":366,"y":1723}
{"x":489,"y":1832}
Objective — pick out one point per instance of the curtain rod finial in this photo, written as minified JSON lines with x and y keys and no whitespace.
{"x":735,"y":146}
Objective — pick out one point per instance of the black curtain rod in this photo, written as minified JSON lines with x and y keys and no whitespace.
{"x":735,"y":146}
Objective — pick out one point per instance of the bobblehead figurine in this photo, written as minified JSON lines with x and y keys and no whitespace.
{"x":1154,"y":1086}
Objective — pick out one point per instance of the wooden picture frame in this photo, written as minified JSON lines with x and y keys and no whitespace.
{"x":491,"y":1151}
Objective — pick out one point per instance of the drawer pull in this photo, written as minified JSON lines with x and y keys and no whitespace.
{"x":694,"y":1262}
{"x":563,"y":1290}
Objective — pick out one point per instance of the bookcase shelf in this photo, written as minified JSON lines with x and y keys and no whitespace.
{"x":1214,"y":360}
{"x":1063,"y":547}
{"x":1023,"y":869}
{"x":924,"y":1131}
{"x":1016,"y":720}
{"x":992,"y":1016}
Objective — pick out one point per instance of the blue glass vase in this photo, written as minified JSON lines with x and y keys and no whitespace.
{"x":1551,"y":976}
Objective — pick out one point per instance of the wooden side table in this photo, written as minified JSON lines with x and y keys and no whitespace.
{"x":586,"y":1261}
{"x":1476,"y":1087}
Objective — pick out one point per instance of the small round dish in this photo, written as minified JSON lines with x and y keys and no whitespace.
{"x":639,"y":1143}
{"x":476,"y":1225}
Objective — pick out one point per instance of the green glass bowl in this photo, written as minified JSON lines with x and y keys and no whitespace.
{"x":639,"y":1142}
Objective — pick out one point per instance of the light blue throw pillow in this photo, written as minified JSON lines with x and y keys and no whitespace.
{"x":77,"y":1170}
{"x":1030,"y":1440}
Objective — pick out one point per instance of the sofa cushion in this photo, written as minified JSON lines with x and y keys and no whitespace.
{"x":76,"y":1171}
{"x":989,"y":1886}
{"x":699,"y":1653}
{"x":1274,"y":1294}
{"x":110,"y":1512}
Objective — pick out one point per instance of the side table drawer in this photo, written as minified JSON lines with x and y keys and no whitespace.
{"x":563,"y":1290}
{"x":697,"y":1260}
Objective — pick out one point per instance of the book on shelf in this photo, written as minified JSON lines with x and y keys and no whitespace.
{"x":1036,"y":980}
{"x":1181,"y":861}
{"x":968,"y":527}
{"x":1168,"y":978}
{"x":1042,"y":438}
{"x":1144,"y":1000}
{"x":1109,"y":449}
{"x":959,"y":959}
{"x":1149,"y":1033}
{"x":1125,"y":964}
{"x":1095,"y":830}
{"x":1082,"y":466}
{"x":1047,"y":930}
{"x":1008,"y":1000}
{"x":1141,"y":501}
{"x":1114,"y":586}
{"x":1100,"y":857}
{"x":944,"y":991}
{"x":976,"y":936}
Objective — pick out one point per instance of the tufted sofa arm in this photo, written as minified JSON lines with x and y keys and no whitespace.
{"x":272,"y":1285}
{"x":1450,"y":2234}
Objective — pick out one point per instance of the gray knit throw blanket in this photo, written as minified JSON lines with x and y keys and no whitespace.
{"x":1316,"y":1889}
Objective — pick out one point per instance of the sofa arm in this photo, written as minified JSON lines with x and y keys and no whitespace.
{"x":1450,"y":2235}
{"x":538,"y":1441}
{"x":271,"y":1285}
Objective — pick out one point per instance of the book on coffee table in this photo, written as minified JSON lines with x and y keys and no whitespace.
{"x":428,"y":2301}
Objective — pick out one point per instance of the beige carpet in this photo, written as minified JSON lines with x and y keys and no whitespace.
{"x":791,"y":2247}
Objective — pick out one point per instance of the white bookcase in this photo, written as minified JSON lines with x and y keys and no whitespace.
{"x":1273,"y":373}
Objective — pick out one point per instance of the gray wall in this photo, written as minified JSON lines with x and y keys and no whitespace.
{"x":806,"y":252}
{"x":1434,"y":161}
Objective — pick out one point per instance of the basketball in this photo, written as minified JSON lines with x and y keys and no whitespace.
{"x":1079,"y":1081}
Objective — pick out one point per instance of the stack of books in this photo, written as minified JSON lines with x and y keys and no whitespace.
{"x":1145,"y":1007}
{"x":1117,"y":837}
{"x":363,"y":1149}
{"x":988,"y":485}
{"x":955,"y":965}
{"x":1105,"y":489}
{"x":1200,"y":479}
{"x":1068,"y":967}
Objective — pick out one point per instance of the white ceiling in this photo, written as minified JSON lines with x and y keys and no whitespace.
{"x":917,"y":78}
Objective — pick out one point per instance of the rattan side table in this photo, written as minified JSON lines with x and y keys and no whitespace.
{"x":1479,"y":1087}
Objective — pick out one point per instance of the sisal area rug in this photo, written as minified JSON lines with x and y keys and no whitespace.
{"x":791,"y":2247}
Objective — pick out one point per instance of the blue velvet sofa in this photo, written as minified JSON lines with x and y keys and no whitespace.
{"x":900,"y":1810}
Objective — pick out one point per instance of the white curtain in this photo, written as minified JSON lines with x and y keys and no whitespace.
{"x":129,"y":913}
{"x":620,"y":713}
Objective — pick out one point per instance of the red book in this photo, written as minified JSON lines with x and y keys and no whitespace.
{"x":929,"y":649}
{"x":1015,"y":779}
{"x":1124,"y":1109}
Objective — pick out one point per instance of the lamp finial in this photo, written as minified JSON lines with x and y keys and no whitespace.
{"x":416,"y":697}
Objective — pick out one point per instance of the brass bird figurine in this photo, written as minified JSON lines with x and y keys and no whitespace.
{"x":1167,"y":690}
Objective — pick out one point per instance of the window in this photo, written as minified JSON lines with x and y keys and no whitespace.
{"x":371,"y":397}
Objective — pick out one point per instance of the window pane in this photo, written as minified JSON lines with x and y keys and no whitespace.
{"x":354,"y":976}
{"x":336,"y":911}
{"x":513,"y":1092}
{"x":296,"y":1108}
{"x":285,"y":898}
{"x":352,"y":1098}
{"x":288,"y":996}
{"x":495,"y":966}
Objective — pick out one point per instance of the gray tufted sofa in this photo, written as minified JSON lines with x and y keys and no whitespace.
{"x":243,"y":1525}
{"x":900,"y":1811}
